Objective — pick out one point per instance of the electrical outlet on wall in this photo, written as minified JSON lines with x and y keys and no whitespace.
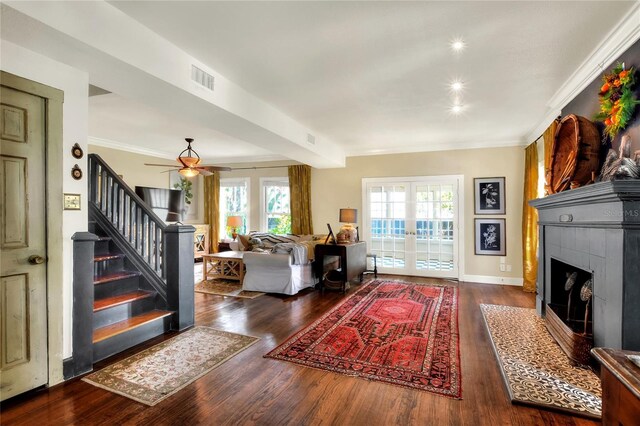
{"x":508,"y":268}
{"x":503,"y":267}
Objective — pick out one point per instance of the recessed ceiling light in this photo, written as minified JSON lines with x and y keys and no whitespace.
{"x":456,"y":109}
{"x":456,"y":85}
{"x":457,"y":45}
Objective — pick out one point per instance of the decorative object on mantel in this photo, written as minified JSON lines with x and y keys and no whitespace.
{"x":620,"y":165}
{"x":617,"y":99}
{"x":348,"y":233}
{"x":575,"y":154}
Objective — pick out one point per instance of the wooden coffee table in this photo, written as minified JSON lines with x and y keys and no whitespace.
{"x":226,"y":265}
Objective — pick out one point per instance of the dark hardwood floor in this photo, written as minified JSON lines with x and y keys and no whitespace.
{"x":249,"y":389}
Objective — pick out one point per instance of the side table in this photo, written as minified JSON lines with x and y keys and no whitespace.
{"x":620,"y":386}
{"x":353,"y":260}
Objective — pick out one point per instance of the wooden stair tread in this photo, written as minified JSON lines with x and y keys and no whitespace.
{"x":120,"y":275}
{"x":111,"y":330}
{"x":109,"y":302}
{"x":105,"y":257}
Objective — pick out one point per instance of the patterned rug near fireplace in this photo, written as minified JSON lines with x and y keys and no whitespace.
{"x":225,"y":288}
{"x":535,"y":370}
{"x":162,"y":370}
{"x":400,"y":333}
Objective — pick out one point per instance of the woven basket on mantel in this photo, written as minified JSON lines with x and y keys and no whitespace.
{"x":575,"y":154}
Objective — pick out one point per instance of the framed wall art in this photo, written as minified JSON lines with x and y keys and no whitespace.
{"x":489,"y":195}
{"x":490,"y":237}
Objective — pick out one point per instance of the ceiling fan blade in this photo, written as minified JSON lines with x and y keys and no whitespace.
{"x":216,"y":168}
{"x":204,"y":172}
{"x":161,"y":165}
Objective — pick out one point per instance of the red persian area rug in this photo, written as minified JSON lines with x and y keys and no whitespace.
{"x":399,"y":333}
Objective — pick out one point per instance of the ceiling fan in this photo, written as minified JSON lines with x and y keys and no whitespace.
{"x":190,"y":163}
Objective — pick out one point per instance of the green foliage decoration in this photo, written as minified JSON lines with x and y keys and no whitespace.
{"x":617,"y":99}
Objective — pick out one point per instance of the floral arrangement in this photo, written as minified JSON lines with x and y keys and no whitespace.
{"x":617,"y":99}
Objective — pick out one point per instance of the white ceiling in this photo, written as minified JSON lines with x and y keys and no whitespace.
{"x":373,"y":76}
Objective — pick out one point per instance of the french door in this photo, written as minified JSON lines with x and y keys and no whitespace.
{"x":411,"y":224}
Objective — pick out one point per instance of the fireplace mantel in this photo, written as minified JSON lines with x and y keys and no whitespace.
{"x":596,"y":228}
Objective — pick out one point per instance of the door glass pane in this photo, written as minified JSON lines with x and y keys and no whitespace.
{"x":434,"y":227}
{"x":387,"y":206}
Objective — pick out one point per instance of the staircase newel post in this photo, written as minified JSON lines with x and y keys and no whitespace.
{"x":83,"y":253}
{"x":178,"y":261}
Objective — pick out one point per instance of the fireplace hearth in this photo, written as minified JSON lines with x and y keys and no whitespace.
{"x":593,"y":231}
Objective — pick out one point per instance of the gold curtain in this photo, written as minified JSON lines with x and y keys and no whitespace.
{"x":530,"y":219}
{"x":548,"y":136}
{"x":300,"y":196}
{"x":212,"y":209}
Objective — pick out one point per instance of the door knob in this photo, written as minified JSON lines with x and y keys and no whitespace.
{"x":35,"y":259}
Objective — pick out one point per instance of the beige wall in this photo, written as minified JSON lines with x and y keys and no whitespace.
{"x":333,"y":189}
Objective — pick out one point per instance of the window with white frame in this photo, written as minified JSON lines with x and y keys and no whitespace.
{"x":276,"y":212}
{"x":234,"y":201}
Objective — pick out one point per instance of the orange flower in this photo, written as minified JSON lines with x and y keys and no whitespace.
{"x":623,"y":74}
{"x":605,"y":87}
{"x":607,"y":122}
{"x":615,"y":119}
{"x":617,"y":83}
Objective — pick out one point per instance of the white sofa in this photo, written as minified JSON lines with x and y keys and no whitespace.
{"x":276,"y":273}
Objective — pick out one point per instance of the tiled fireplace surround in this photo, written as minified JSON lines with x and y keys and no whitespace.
{"x":596,"y":228}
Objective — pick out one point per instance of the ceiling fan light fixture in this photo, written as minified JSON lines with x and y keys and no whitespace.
{"x":188,"y":157}
{"x":188,"y":172}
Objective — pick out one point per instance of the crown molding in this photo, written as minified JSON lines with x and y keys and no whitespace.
{"x":426,"y":147}
{"x":108,"y":143}
{"x":615,"y":43}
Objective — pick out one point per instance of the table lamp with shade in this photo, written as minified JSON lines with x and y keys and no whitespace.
{"x":234,"y":222}
{"x":348,"y":233}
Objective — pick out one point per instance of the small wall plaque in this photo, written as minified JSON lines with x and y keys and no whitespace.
{"x":76,"y":172}
{"x":72,"y":201}
{"x":76,"y":151}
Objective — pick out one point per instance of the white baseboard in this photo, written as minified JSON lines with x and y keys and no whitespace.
{"x":487,"y":279}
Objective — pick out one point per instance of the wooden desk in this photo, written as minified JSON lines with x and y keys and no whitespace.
{"x":353,"y":260}
{"x":227,"y":265}
{"x":620,"y":387}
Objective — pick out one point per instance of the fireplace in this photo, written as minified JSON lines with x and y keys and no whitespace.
{"x":595,"y":232}
{"x":569,"y":313}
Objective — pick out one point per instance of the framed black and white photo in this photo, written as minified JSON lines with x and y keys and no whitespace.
{"x":489,"y":195}
{"x":490,"y":237}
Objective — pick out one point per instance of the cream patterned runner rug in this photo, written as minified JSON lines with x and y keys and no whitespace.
{"x":162,"y":370}
{"x":535,"y":370}
{"x":225,"y":288}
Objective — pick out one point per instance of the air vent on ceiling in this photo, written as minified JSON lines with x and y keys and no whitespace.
{"x":201,"y":77}
{"x":311,"y":139}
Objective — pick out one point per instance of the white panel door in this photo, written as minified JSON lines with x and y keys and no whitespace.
{"x":412,"y":225}
{"x":23,"y":304}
